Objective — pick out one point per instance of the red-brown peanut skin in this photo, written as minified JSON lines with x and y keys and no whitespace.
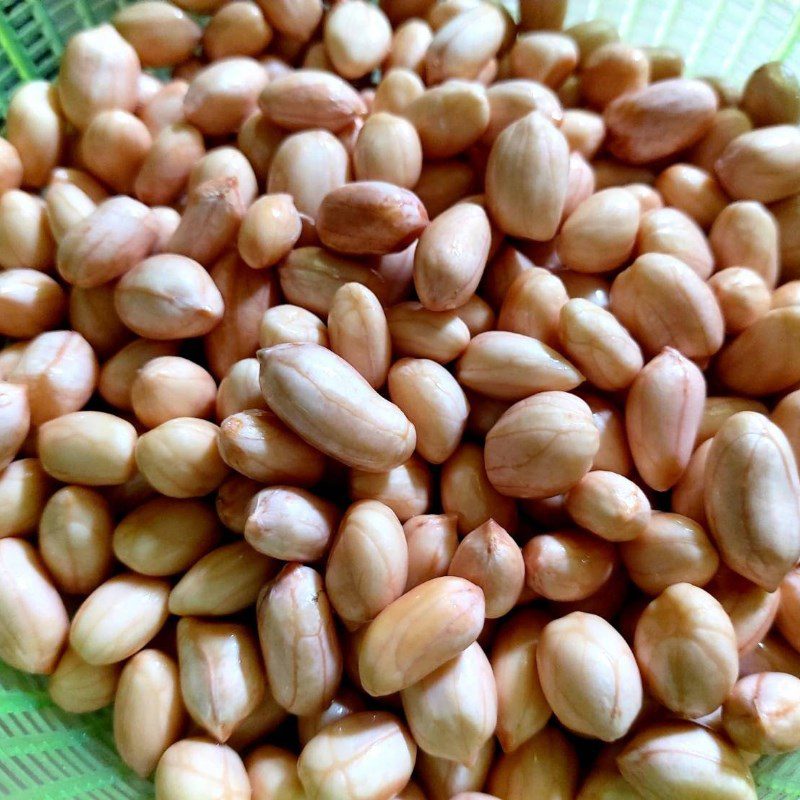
{"x":589,"y":676}
{"x":662,"y":416}
{"x":522,"y":709}
{"x":368,"y":562}
{"x":557,"y":423}
{"x":298,"y":640}
{"x":752,"y":499}
{"x":418,"y":633}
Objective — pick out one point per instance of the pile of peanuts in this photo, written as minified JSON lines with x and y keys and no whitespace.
{"x":401,"y":400}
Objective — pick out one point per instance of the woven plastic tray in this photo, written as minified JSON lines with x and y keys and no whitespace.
{"x":47,"y":754}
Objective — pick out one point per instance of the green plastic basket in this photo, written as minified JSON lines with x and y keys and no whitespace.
{"x":47,"y":754}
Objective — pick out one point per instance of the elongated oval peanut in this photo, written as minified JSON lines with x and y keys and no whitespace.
{"x":531,"y":304}
{"x":342,"y":414}
{"x":687,"y":494}
{"x":547,"y":761}
{"x":365,"y":756}
{"x":290,"y":524}
{"x":169,"y":162}
{"x":161,"y":34}
{"x":238,"y":30}
{"x":670,"y":231}
{"x":674,"y":758}
{"x":221,"y":674}
{"x":357,"y":38}
{"x":395,"y":653}
{"x":165,"y":107}
{"x":554,"y":423}
{"x":694,"y":191}
{"x":613,"y":69}
{"x":298,"y":640}
{"x":467,"y":491}
{"x":119,"y":372}
{"x":119,"y":618}
{"x":388,"y":149}
{"x":742,"y":295}
{"x":148,"y":711}
{"x":762,"y":164}
{"x":686,"y":648}
{"x":492,"y":560}
{"x":75,"y":539}
{"x":79,"y":687}
{"x":601,"y":700}
{"x":92,"y":314}
{"x":544,"y":56}
{"x":406,"y":489}
{"x":368,"y":562}
{"x":510,"y":100}
{"x":453,"y":711}
{"x":273,"y":774}
{"x":751,"y":498}
{"x":227,"y":163}
{"x":662,"y":417}
{"x":66,"y":205}
{"x":398,"y":88}
{"x":15,"y":420}
{"x":288,"y":324}
{"x":670,"y":549}
{"x":297,"y":20}
{"x":510,"y":366}
{"x":33,"y":622}
{"x":431,"y":542}
{"x":269,"y":230}
{"x":521,"y":200}
{"x":440,"y":336}
{"x":443,"y":778}
{"x":11,"y":169}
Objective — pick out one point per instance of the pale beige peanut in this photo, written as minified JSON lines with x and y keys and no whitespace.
{"x":165,"y":536}
{"x":670,"y":231}
{"x":511,"y":366}
{"x":261,"y":722}
{"x":670,"y":549}
{"x":431,"y":541}
{"x":509,"y":100}
{"x":452,"y":712}
{"x":11,"y":169}
{"x":203,"y":769}
{"x":442,"y":778}
{"x":543,"y":56}
{"x":25,"y":236}
{"x":364,"y":756}
{"x":419,"y":632}
{"x":728,"y":123}
{"x":233,"y":501}
{"x":92,"y":314}
{"x":477,"y":315}
{"x":75,"y":539}
{"x":769,"y":343}
{"x":694,"y":191}
{"x":342,"y":415}
{"x":467,"y":491}
{"x":258,"y":139}
{"x":745,"y":234}
{"x":439,"y":14}
{"x":119,"y":372}
{"x":553,"y":423}
{"x":743,"y":297}
{"x":521,"y":200}
{"x":600,"y":233}
{"x":614,"y":454}
{"x":662,"y":417}
{"x":290,"y":524}
{"x":166,"y":166}
{"x":785,"y":415}
{"x":35,"y":127}
{"x":761,"y":164}
{"x":687,"y":494}
{"x":88,"y":447}
{"x":225,"y":581}
{"x":273,"y":774}
{"x":532,"y":304}
{"x":434,"y":403}
{"x":751,"y":498}
{"x":169,"y":387}
{"x":440,"y":336}
{"x":119,"y":618}
{"x":407,"y":489}
{"x":299,"y":640}
{"x":269,"y":230}
{"x":601,"y":701}
{"x":10,"y":356}
{"x":346,"y":702}
{"x":609,"y":505}
{"x":15,"y":419}
{"x":686,"y":649}
{"x":34,"y":624}
{"x":310,"y":99}
{"x":388,"y":149}
{"x":310,"y":277}
{"x":30,"y":303}
{"x":98,"y":70}
{"x":180,"y":459}
{"x":297,"y":20}
{"x":584,"y":131}
{"x":287,"y":324}
{"x":451,"y":256}
{"x":221,"y":674}
{"x":370,"y":218}
{"x":680,"y":757}
{"x":367,"y":565}
{"x":762,"y":713}
{"x":410,"y":42}
{"x":580,"y":183}
{"x":443,"y":183}
{"x":612,"y":70}
{"x":66,"y":205}
{"x":106,"y":244}
{"x":398,"y":88}
{"x":597,"y":343}
{"x":786,"y":213}
{"x":547,"y":760}
{"x":162,"y":34}
{"x":165,"y":107}
{"x":492,"y":560}
{"x":661,"y":289}
{"x":449,"y":118}
{"x":357,"y":38}
{"x":567,"y":565}
{"x":78,"y":687}
{"x":237,"y":29}
{"x":168,"y":297}
{"x":226,"y":162}
{"x":659,"y":120}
